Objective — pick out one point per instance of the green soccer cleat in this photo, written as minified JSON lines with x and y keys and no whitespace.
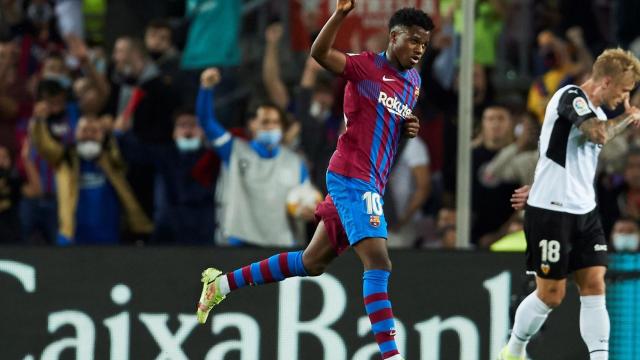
{"x":210,"y":295}
{"x":506,"y":355}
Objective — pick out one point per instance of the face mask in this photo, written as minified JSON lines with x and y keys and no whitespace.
{"x":63,"y":80}
{"x":188,"y":144}
{"x":269,"y":138}
{"x":39,"y":13}
{"x":156,"y":55}
{"x":89,"y":150}
{"x":316,"y":110}
{"x":626,"y":242}
{"x":57,"y":127}
{"x":518,"y":130}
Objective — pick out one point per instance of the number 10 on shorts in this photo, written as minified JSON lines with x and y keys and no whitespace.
{"x":550,"y":250}
{"x":372,"y":200}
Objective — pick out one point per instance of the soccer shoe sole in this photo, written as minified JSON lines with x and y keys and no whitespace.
{"x":504,"y":355}
{"x":209,"y":276}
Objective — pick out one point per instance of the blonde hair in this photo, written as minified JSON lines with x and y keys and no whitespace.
{"x":615,"y":63}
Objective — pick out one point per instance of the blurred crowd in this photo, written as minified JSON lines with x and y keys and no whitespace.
{"x":210,"y":124}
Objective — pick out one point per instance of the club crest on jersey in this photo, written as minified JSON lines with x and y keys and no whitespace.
{"x":416,"y":92}
{"x":374,"y":220}
{"x":545,"y":268}
{"x":580,"y":106}
{"x":394,"y":105}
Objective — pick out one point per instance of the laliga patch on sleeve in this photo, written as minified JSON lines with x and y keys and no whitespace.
{"x":580,"y":106}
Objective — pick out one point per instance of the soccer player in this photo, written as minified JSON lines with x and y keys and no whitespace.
{"x":562,"y":227}
{"x":380,"y":93}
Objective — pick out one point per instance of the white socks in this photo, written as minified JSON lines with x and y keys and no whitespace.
{"x":594,"y":326}
{"x":224,"y":285}
{"x":530,"y":316}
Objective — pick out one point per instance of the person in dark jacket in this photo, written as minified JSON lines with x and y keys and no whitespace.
{"x":184,"y":212}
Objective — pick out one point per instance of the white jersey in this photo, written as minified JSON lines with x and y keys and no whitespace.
{"x":566,"y":168}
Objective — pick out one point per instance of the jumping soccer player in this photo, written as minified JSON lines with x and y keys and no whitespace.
{"x":562,"y":227}
{"x":381,"y":92}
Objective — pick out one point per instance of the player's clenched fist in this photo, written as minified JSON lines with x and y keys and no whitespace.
{"x":411,"y":126}
{"x":210,"y":77}
{"x":633,"y":111}
{"x":345,"y":5}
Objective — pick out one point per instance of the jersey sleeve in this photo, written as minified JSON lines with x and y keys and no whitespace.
{"x":416,"y":153}
{"x":358,"y":66}
{"x":574,"y":106}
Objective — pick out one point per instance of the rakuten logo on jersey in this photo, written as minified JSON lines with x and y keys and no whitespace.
{"x":394,"y":105}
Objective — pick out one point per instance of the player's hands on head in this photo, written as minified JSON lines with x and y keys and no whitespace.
{"x":519,"y":197}
{"x":274,"y":32}
{"x":633,"y":111}
{"x":411,"y":126}
{"x":210,"y":77}
{"x":345,"y":6}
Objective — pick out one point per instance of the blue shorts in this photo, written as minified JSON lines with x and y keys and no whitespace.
{"x":359,"y":206}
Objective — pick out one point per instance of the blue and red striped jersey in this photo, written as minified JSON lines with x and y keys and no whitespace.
{"x":377,"y":99}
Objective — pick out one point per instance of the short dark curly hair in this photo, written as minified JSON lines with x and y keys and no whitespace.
{"x":410,"y":17}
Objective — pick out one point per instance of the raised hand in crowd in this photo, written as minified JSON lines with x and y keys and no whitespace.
{"x":210,"y":78}
{"x":41,"y":110}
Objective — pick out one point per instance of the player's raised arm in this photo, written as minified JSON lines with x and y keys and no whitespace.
{"x":322,"y":50}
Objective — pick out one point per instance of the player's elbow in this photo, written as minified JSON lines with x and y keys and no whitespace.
{"x":319,"y":53}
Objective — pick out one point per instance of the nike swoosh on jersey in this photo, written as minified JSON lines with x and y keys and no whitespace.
{"x":385,"y":78}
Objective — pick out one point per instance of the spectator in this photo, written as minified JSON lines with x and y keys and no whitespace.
{"x":93,"y":91}
{"x":625,"y":235}
{"x":158,"y":39}
{"x":14,"y":98}
{"x":446,"y":228}
{"x":55,"y":69}
{"x":490,"y":201}
{"x":90,"y":100}
{"x":141,"y":96}
{"x":208,"y":22}
{"x":38,"y":206}
{"x":186,"y":214}
{"x":92,"y":191}
{"x":9,"y":195}
{"x":622,"y":200}
{"x":512,"y":239}
{"x":516,"y":163}
{"x":557,"y":67}
{"x":62,"y":115}
{"x":258,"y":173}
{"x":314,"y":104}
{"x":11,"y":16}
{"x":409,"y":189}
{"x":40,"y":37}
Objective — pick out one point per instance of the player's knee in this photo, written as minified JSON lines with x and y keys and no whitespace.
{"x":592,"y":287}
{"x":315,"y":267}
{"x":552,"y":296}
{"x":382,"y":263}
